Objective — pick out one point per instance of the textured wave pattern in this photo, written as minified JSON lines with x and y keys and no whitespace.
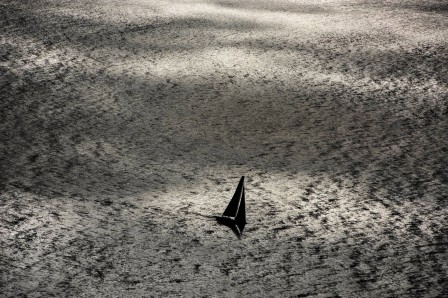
{"x":124,"y":126}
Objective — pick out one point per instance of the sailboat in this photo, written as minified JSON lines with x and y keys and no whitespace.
{"x":235,"y":214}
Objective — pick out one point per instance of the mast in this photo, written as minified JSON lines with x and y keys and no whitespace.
{"x":240,"y":219}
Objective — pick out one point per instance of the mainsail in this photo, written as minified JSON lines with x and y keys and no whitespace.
{"x":235,"y":214}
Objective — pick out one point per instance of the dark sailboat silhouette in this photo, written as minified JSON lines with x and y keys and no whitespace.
{"x":235,"y":214}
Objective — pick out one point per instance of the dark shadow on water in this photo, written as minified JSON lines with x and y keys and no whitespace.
{"x":159,"y":35}
{"x":431,"y":6}
{"x":424,"y":6}
{"x":274,"y":6}
{"x":230,"y":223}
